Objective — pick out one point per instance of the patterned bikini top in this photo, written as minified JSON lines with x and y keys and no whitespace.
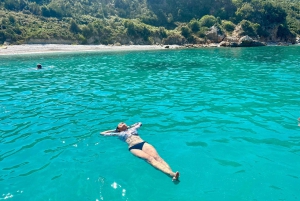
{"x":124,"y":135}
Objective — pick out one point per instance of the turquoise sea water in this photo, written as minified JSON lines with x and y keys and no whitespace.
{"x":225,"y":118}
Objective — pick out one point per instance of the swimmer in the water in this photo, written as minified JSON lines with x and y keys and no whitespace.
{"x":140,"y":148}
{"x":39,"y":66}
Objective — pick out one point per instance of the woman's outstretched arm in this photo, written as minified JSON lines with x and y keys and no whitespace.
{"x":109,"y":132}
{"x":136,"y":125}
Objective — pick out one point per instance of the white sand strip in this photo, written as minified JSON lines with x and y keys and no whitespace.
{"x":35,"y":49}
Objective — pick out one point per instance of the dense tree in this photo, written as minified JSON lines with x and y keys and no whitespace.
{"x":74,"y":27}
{"x":249,"y":28}
{"x":194,"y":25}
{"x":207,"y":21}
{"x":246,"y":12}
{"x":228,"y":26}
{"x":11,"y":19}
{"x":186,"y":32}
{"x":273,"y":13}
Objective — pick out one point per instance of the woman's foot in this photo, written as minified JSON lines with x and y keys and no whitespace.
{"x":176,"y":176}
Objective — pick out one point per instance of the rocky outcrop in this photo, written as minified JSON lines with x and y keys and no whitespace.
{"x":228,"y":44}
{"x":244,"y":41}
{"x":157,"y":40}
{"x":174,"y":39}
{"x":231,"y":39}
{"x":247,"y":41}
{"x":282,"y":44}
{"x":215,"y":35}
{"x":272,"y":31}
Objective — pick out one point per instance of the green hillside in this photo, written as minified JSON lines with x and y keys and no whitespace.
{"x":145,"y":21}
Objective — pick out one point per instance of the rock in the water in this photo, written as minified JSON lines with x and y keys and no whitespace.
{"x":225,"y":44}
{"x":244,"y":41}
{"x":234,"y":44}
{"x":247,"y":41}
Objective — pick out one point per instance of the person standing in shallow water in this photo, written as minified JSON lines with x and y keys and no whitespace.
{"x":140,"y":148}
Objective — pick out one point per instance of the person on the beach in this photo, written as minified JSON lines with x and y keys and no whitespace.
{"x":140,"y":148}
{"x":39,"y":66}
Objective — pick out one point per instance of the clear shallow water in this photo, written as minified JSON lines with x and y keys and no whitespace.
{"x":225,"y":118}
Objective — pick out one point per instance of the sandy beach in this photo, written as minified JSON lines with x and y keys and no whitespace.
{"x":48,"y":48}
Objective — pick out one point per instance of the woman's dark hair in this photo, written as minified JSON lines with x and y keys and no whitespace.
{"x":117,"y":129}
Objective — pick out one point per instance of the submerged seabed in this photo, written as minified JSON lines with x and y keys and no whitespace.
{"x":225,"y":118}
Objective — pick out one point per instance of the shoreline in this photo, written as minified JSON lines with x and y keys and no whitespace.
{"x":56,"y":48}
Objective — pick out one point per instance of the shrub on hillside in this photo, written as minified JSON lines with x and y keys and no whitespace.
{"x":11,"y":19}
{"x":284,"y":33}
{"x":249,"y":28}
{"x":245,"y":12}
{"x":294,"y":25}
{"x":194,"y":25}
{"x":82,"y":39}
{"x":273,"y":13}
{"x":228,"y":26}
{"x":2,"y":36}
{"x":137,"y":30}
{"x":202,"y":32}
{"x":207,"y":21}
{"x":186,"y":31}
{"x":149,"y":18}
{"x":87,"y":31}
{"x":162,"y":32}
{"x":174,"y":39}
{"x":74,"y":28}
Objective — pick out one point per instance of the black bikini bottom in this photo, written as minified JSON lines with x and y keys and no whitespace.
{"x":137,"y":146}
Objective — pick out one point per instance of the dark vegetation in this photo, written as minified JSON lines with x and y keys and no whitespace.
{"x":144,"y":21}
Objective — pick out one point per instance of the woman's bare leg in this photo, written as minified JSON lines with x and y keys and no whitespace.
{"x":149,"y":149}
{"x":150,"y":159}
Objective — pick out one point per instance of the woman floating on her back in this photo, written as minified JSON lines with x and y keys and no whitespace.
{"x":140,"y":148}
